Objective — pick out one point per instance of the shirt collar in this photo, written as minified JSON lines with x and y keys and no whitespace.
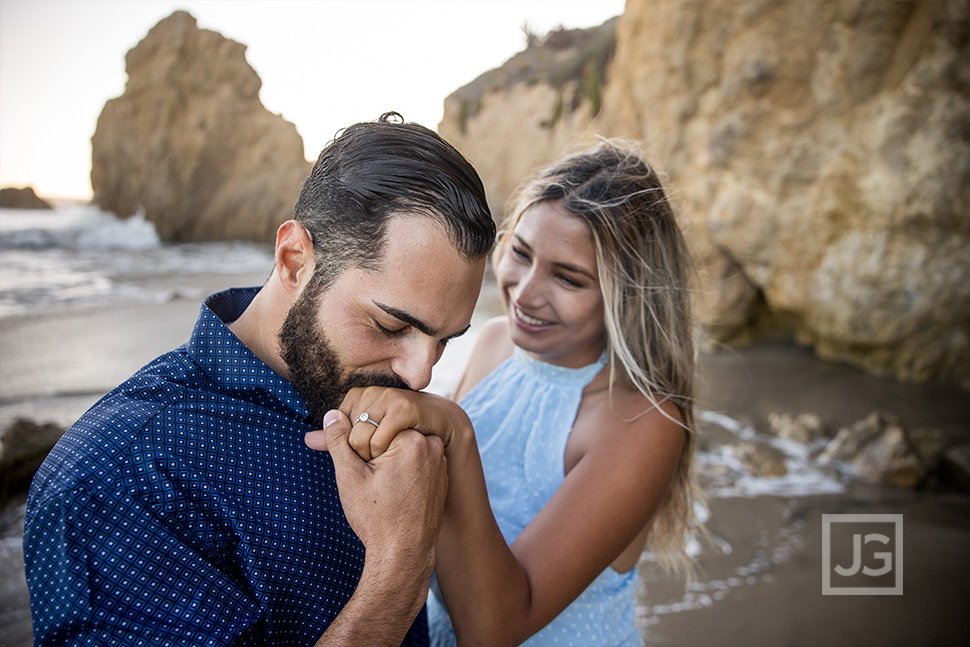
{"x":228,"y":362}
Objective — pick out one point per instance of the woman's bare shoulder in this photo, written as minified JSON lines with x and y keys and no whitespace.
{"x":628,"y":414}
{"x":492,"y":347}
{"x":630,"y":404}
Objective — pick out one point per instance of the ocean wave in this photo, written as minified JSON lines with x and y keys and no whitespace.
{"x":75,"y":227}
{"x":82,"y":257}
{"x":726,"y":476}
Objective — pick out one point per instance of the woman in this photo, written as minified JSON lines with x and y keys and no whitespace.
{"x":581,"y":400}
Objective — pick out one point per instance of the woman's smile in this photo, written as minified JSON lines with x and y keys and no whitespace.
{"x":550,"y":287}
{"x":530,"y":323}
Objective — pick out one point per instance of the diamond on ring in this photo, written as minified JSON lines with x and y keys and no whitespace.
{"x":366,"y":418}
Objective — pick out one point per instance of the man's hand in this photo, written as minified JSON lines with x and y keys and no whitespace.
{"x":394,"y":504}
{"x":394,"y":501}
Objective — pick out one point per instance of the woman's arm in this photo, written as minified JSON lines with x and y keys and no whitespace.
{"x":501,"y":596}
{"x":498,"y":594}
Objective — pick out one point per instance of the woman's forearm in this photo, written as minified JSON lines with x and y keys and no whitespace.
{"x":486,"y":590}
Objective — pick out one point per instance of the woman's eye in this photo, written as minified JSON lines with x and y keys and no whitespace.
{"x":570,"y":282}
{"x":520,"y":253}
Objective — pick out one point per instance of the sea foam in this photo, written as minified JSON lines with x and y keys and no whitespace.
{"x":78,"y":256}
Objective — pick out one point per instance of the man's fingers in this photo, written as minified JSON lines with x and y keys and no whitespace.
{"x":435,"y":444}
{"x":318,"y":439}
{"x":414,"y":443}
{"x":345,"y":460}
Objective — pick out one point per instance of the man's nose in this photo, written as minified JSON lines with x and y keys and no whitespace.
{"x":414,"y":365}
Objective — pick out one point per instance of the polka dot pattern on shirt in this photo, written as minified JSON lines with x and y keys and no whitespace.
{"x":184,"y":509}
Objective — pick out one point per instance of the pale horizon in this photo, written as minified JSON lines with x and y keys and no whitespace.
{"x":324,"y":65}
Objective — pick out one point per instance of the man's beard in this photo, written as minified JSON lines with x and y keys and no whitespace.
{"x":315,"y":369}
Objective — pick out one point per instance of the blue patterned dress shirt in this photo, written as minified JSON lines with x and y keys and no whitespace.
{"x":184,"y":509}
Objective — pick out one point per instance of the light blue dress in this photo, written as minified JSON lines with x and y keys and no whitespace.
{"x":523,"y":413}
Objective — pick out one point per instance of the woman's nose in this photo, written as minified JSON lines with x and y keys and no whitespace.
{"x":529,"y":289}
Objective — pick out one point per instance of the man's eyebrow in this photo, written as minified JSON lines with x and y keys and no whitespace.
{"x":411,"y":320}
{"x":566,"y":266}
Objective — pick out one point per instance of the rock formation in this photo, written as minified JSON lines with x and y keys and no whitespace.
{"x":25,"y":198}
{"x":956,"y":466}
{"x":23,"y":447}
{"x":801,"y":428}
{"x":516,"y":118}
{"x":877,"y":449}
{"x":818,"y":153}
{"x":190,"y":144}
{"x":759,"y":459}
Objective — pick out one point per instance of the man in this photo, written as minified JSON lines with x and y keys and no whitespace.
{"x":184,"y":507}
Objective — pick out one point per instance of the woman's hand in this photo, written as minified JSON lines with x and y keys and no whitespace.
{"x":393,"y":411}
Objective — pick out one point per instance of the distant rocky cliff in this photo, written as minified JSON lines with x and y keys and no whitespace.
{"x":818,"y":153}
{"x":512,"y":119}
{"x":22,"y":198}
{"x":190,"y":144}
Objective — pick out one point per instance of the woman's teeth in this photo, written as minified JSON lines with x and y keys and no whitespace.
{"x":532,"y":321}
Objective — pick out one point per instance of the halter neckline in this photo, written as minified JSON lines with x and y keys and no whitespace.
{"x":560,"y":374}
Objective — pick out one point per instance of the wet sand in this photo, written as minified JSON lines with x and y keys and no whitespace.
{"x":57,"y":365}
{"x":766,"y":591}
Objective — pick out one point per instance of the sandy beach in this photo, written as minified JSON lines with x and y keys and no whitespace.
{"x":768,"y":589}
{"x":760,"y":584}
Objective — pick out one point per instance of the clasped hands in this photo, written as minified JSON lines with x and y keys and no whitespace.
{"x":392,"y":478}
{"x":395,"y":411}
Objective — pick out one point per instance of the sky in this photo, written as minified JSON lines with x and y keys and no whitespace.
{"x":324,"y":64}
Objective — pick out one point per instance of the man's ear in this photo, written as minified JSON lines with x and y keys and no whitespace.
{"x":295,"y":259}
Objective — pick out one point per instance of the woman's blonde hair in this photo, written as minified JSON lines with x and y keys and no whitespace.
{"x":644,"y":275}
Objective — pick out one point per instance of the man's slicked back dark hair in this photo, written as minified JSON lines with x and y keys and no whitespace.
{"x":373,"y":170}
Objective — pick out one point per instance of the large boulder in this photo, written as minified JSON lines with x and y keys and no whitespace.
{"x":760,"y":459}
{"x":802,"y":428}
{"x":190,"y":144}
{"x":819,"y":156}
{"x":823,"y":153}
